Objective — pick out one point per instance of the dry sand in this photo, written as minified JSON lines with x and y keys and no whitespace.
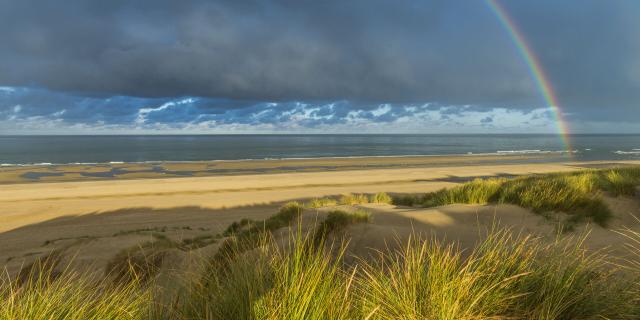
{"x":96,"y":219}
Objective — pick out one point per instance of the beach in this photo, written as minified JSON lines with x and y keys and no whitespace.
{"x":24,"y":204}
{"x":47,"y":172}
{"x":40,"y":216}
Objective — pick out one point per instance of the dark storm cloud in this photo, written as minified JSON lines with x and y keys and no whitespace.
{"x":372,"y":51}
{"x":590,"y":51}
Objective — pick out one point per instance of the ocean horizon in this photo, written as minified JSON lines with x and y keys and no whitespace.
{"x":87,"y":149}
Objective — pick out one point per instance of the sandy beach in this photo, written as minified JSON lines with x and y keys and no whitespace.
{"x":12,"y":174}
{"x":87,"y":215}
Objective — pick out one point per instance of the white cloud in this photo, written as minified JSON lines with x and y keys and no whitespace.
{"x":382,"y":109}
{"x":141,"y":119}
{"x":314,"y":118}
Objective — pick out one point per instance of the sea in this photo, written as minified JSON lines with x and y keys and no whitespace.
{"x":86,"y":149}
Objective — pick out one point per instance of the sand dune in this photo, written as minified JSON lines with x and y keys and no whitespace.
{"x":96,"y":219}
{"x":24,"y":204}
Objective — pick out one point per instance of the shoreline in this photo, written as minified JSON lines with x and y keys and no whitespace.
{"x":179,"y":169}
{"x":468,"y":154}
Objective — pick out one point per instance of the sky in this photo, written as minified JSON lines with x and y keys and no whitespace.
{"x":331,"y":66}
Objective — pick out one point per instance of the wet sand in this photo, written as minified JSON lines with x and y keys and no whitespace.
{"x":149,"y":170}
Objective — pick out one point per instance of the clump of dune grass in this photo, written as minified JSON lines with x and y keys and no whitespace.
{"x":71,"y":296}
{"x":408,"y":200}
{"x":230,"y":284}
{"x":139,"y":263}
{"x":555,"y":193}
{"x":621,"y":181}
{"x":237,"y":226}
{"x":477,"y":191}
{"x":263,"y":280}
{"x":337,"y":220}
{"x":250,"y":237}
{"x":297,"y":281}
{"x":632,"y":262}
{"x":44,"y":267}
{"x":143,"y":261}
{"x":353,"y":199}
{"x":503,"y":277}
{"x":321,"y":202}
{"x":575,"y":194}
{"x":285,"y":216}
{"x":307,"y":283}
{"x":350,"y":199}
{"x":381,"y":197}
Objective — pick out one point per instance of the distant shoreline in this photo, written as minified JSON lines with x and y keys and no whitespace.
{"x":107,"y":150}
{"x":468,"y":154}
{"x":47,"y":172}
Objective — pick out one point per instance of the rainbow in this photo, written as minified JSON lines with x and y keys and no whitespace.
{"x":537,"y":73}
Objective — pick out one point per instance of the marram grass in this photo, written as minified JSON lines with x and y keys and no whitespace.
{"x":321,"y":202}
{"x":353,"y":199}
{"x":576,"y":194}
{"x":337,"y":220}
{"x":72,"y":296}
{"x":350,"y":199}
{"x":505,"y":276}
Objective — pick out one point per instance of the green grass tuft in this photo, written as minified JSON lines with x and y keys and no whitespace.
{"x":575,"y":194}
{"x":249,"y":238}
{"x":621,"y":181}
{"x":337,"y":220}
{"x":350,"y":199}
{"x":298,"y":281}
{"x":381,"y":197}
{"x":139,"y":263}
{"x":321,"y":202}
{"x":503,"y":277}
{"x":72,"y":296}
{"x":353,"y":199}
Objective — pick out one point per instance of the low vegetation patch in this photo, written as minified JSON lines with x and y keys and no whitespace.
{"x":143,"y":262}
{"x":321,"y":202}
{"x":350,"y":200}
{"x":505,"y":276}
{"x":381,"y":197}
{"x":140,"y":263}
{"x":353,"y":199}
{"x":300,"y":282}
{"x":72,"y":296}
{"x":248,"y":238}
{"x":337,"y":220}
{"x":576,"y":194}
{"x":236,"y":227}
